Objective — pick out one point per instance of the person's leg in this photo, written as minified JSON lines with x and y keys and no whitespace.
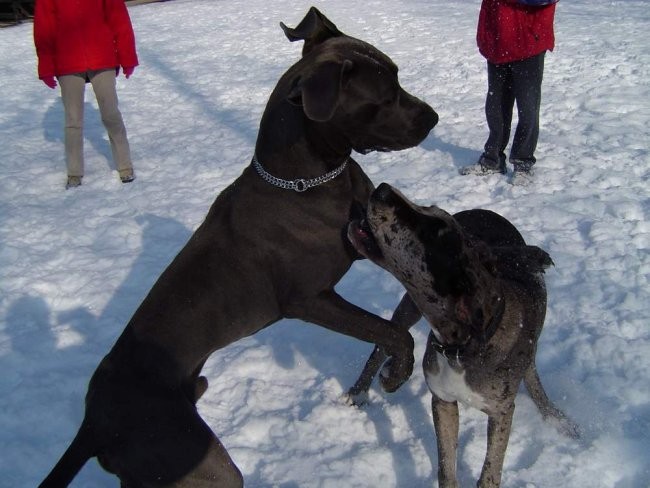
{"x":499,"y":104}
{"x":72,"y":95}
{"x":105,"y":91}
{"x":527,"y":77}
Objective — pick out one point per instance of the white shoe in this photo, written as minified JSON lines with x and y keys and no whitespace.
{"x":522,"y":177}
{"x":73,"y":181}
{"x":483,"y":167}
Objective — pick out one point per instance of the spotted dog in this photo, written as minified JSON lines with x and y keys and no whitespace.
{"x":481,"y":288}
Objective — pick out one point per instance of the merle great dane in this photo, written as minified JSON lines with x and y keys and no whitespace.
{"x":481,"y":288}
{"x":272,"y":246}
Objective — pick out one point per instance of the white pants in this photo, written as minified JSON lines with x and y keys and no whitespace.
{"x":72,"y":93}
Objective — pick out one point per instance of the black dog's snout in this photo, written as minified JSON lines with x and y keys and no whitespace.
{"x":428,"y":118}
{"x":423,"y":115}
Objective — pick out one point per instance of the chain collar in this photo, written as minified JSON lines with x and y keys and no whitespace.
{"x":299,"y":184}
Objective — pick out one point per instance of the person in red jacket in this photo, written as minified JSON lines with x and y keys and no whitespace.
{"x":513,"y":35}
{"x":79,"y":42}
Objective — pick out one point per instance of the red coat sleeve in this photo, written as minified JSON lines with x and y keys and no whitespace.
{"x":45,"y":37}
{"x":117,"y":17}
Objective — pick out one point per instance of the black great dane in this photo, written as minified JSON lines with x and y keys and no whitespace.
{"x":272,"y":246}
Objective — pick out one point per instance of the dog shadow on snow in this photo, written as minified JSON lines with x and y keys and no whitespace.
{"x":67,"y":346}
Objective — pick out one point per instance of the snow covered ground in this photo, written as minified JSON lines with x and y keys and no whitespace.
{"x":75,"y":264}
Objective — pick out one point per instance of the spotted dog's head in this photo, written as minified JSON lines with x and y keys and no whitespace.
{"x":450,"y":277}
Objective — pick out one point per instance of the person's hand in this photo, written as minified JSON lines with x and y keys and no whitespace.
{"x":128,"y":70}
{"x":49,"y":81}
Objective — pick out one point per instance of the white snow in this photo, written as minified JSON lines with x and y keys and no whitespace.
{"x":75,"y":264}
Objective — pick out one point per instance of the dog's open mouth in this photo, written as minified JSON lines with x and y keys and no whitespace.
{"x":361,"y":237}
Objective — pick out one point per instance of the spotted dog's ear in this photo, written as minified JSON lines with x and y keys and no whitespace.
{"x":445,"y":257}
{"x":314,"y":29}
{"x":319,"y":91}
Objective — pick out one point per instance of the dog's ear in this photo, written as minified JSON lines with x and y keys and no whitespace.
{"x":313,"y":29}
{"x":318,"y":92}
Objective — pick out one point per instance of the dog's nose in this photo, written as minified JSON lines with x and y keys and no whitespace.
{"x":435,"y":118}
{"x":424,"y":117}
{"x":430,"y":118}
{"x":425,"y":120}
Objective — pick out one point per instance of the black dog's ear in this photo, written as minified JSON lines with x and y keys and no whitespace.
{"x":313,"y":29}
{"x":318,"y":92}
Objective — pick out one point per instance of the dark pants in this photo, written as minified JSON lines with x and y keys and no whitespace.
{"x":520,"y":81}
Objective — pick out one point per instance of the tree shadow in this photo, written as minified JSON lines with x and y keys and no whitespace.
{"x":230,"y":118}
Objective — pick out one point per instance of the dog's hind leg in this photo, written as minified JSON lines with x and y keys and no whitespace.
{"x":549,"y":411}
{"x":170,"y":445}
{"x":404,"y":317}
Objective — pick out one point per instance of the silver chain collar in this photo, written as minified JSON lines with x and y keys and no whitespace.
{"x":299,"y":184}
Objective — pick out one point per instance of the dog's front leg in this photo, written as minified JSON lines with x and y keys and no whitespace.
{"x":498,"y":435}
{"x":404,"y":317}
{"x":358,"y":394}
{"x":445,"y":420}
{"x":330,"y":310}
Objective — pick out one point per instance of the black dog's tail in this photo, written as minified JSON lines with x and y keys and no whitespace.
{"x":78,"y":453}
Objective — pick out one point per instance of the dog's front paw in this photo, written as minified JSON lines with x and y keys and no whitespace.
{"x":397,"y":370}
{"x":395,"y":373}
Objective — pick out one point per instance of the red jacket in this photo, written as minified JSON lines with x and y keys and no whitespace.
{"x":508,"y":31}
{"x":74,"y":36}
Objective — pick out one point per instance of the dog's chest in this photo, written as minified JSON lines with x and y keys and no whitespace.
{"x":449,"y":384}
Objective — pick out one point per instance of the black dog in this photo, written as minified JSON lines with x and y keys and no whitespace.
{"x":271,"y":246}
{"x":482,"y":289}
